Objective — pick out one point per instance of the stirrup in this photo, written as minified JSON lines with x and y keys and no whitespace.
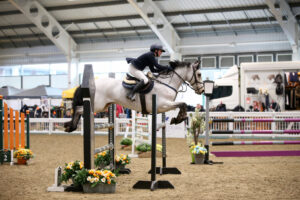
{"x":131,"y":97}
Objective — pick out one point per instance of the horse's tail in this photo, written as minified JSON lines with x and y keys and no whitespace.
{"x":77,"y":102}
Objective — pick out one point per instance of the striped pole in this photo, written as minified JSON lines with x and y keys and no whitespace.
{"x":5,"y":138}
{"x":17,"y":133}
{"x":257,"y":120}
{"x":1,"y":122}
{"x":11,"y":128}
{"x":254,"y":143}
{"x":255,"y":131}
{"x":22,"y":130}
{"x":27,"y":130}
{"x":255,"y":153}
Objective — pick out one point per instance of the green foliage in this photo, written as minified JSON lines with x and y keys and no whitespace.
{"x":144,"y":147}
{"x":126,"y":141}
{"x":102,"y":159}
{"x":80,"y":177}
{"x":70,"y":170}
{"x":197,"y":126}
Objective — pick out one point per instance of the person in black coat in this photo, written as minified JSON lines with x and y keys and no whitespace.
{"x":137,"y":65}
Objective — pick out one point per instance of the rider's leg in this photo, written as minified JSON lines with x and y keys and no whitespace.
{"x":141,"y":76}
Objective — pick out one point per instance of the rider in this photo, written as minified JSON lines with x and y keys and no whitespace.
{"x":137,"y":65}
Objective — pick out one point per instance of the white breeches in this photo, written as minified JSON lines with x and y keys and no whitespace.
{"x":137,"y":73}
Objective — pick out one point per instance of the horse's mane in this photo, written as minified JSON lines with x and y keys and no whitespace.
{"x":176,"y":64}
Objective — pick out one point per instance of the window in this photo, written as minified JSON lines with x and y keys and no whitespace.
{"x":208,"y":62}
{"x":226,"y":61}
{"x":37,"y":69}
{"x":265,"y":58}
{"x":59,"y":68}
{"x":284,"y":57}
{"x":10,"y":70}
{"x":190,"y":60}
{"x":164,"y":62}
{"x":245,"y":58}
{"x":221,"y":91}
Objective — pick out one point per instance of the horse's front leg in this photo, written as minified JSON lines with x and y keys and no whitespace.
{"x":181,"y":114}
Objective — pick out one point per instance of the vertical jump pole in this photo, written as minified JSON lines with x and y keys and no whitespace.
{"x":206,"y":145}
{"x":27,"y":130}
{"x":88,"y":93}
{"x":164,"y":169}
{"x":153,"y":183}
{"x":17,"y":132}
{"x":111,"y":133}
{"x":164,"y":145}
{"x":1,"y":123}
{"x":1,"y":130}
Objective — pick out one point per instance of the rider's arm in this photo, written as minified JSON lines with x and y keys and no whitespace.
{"x":155,"y":67}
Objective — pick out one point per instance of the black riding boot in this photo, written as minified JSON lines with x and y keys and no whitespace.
{"x":136,"y":88}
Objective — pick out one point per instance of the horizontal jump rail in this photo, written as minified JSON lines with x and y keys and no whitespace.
{"x":254,"y":153}
{"x":104,"y":148}
{"x":255,"y":131}
{"x":254,"y":143}
{"x":257,"y":120}
{"x":106,"y":125}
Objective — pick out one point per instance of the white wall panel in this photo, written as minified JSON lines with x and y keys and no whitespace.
{"x":59,"y":81}
{"x":14,"y":81}
{"x":34,"y":81}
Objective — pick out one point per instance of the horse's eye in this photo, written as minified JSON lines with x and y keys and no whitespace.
{"x":199,"y":75}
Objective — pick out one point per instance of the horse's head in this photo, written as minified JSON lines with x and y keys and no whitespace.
{"x":192,"y":74}
{"x":196,"y":78}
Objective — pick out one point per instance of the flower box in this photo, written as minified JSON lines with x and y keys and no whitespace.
{"x":22,"y":161}
{"x":199,"y":158}
{"x":99,"y":188}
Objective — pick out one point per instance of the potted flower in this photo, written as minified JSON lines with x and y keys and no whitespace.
{"x":126,"y":143}
{"x":96,"y":181}
{"x":122,"y":160}
{"x":102,"y":159}
{"x":23,"y":155}
{"x":198,"y":153}
{"x":70,"y":171}
{"x":197,"y":127}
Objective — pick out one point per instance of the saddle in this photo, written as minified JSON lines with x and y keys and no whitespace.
{"x":130,"y":81}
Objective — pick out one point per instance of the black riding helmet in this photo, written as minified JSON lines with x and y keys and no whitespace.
{"x":156,"y":47}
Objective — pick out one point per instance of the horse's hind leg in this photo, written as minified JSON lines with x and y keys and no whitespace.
{"x":72,"y":125}
{"x":181,"y":114}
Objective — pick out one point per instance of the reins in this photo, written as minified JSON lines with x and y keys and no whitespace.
{"x":187,"y":83}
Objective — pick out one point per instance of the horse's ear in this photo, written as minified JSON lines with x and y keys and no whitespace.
{"x":196,"y":64}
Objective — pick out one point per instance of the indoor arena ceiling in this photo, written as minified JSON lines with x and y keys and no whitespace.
{"x":94,"y":21}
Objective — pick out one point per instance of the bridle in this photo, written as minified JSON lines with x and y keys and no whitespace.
{"x":188,"y":83}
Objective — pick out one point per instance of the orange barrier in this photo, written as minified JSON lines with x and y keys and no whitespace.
{"x":14,"y":129}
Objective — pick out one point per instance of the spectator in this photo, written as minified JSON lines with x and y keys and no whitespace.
{"x":119,"y":110}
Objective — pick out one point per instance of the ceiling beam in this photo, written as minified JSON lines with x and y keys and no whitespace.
{"x":290,"y":28}
{"x":137,"y":28}
{"x":120,"y":2}
{"x":167,"y":35}
{"x":47,"y":24}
